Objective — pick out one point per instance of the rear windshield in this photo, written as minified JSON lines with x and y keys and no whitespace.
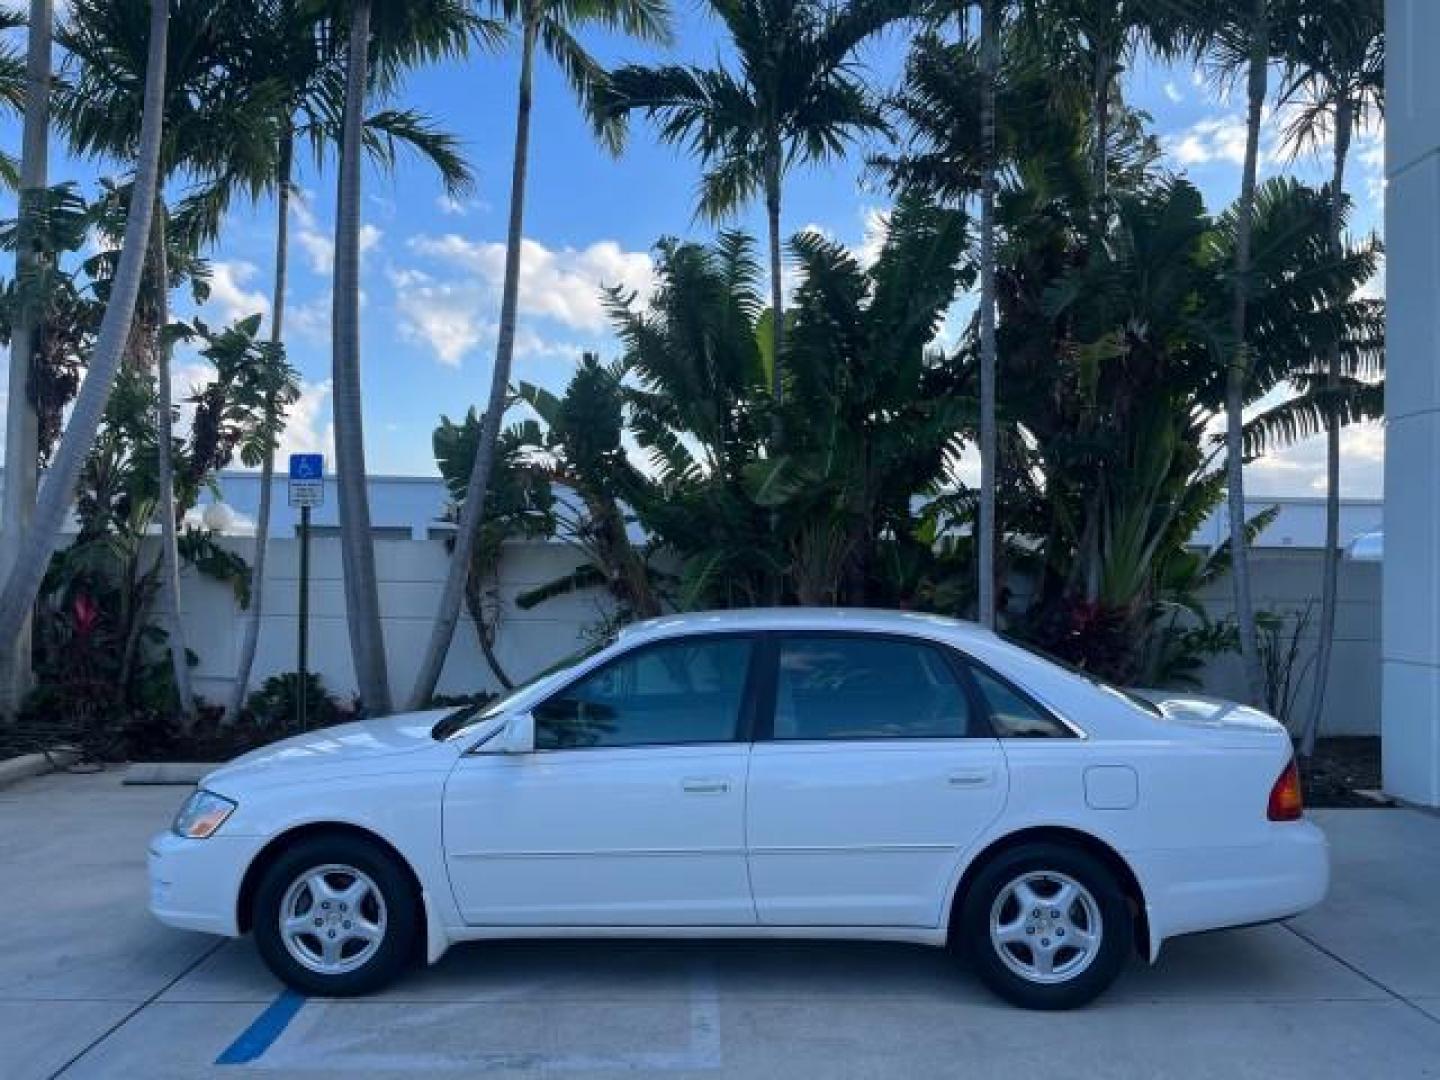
{"x":1128,"y":696}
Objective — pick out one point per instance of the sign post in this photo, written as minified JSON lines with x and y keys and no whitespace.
{"x":307,"y":490}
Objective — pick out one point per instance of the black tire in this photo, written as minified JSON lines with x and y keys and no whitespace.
{"x":403,"y":917}
{"x":1092,"y":977}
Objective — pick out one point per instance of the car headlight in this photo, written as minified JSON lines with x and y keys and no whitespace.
{"x":202,"y":814}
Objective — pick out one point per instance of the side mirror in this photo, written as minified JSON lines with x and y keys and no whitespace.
{"x":518,"y":736}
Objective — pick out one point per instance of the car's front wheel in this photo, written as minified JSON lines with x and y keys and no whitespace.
{"x":1046,"y":926}
{"x":335,"y":916}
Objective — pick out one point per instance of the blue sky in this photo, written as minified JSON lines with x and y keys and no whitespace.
{"x":432,"y":266}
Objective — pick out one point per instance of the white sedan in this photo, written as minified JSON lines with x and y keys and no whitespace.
{"x":785,"y":773}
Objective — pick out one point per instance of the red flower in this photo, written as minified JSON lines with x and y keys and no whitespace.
{"x":85,"y":613}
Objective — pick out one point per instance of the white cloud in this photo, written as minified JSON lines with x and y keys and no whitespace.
{"x":309,"y":428}
{"x":1173,"y":92}
{"x":310,"y":319}
{"x":441,"y":314}
{"x":228,"y":292}
{"x":1214,"y":138}
{"x":1300,"y":469}
{"x":453,"y":207}
{"x":452,"y":303}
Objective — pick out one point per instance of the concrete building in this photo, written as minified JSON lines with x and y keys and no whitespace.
{"x":1410,"y":644}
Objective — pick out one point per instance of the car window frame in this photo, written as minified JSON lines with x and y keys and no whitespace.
{"x":977,"y":722}
{"x":744,"y":722}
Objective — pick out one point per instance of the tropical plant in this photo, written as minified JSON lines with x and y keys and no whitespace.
{"x":23,"y":581}
{"x":411,"y":33}
{"x":218,"y":125}
{"x":1336,"y":79}
{"x":520,"y":505}
{"x":581,"y":441}
{"x":289,"y":48}
{"x":551,"y":25}
{"x":24,"y":87}
{"x":797,"y":95}
{"x":1237,"y":35}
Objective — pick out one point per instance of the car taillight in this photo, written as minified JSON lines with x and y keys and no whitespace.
{"x":1286,"y":802}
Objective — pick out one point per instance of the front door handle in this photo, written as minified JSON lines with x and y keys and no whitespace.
{"x":705,"y":785}
{"x":971,"y":778}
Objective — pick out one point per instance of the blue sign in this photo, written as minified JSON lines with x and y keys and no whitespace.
{"x":307,"y":479}
{"x":307,"y":466}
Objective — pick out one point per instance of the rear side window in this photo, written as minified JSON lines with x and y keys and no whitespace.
{"x":855,"y":687}
{"x":684,"y":691}
{"x":1015,"y":717}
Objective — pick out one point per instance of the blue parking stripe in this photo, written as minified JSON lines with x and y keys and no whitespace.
{"x":261,"y":1034}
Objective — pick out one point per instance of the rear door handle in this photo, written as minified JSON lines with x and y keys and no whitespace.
{"x":705,"y":785}
{"x":971,"y":778}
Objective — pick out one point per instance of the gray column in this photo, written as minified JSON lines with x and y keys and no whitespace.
{"x":1410,"y":636}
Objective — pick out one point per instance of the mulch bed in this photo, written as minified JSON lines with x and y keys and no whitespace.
{"x":1342,"y":767}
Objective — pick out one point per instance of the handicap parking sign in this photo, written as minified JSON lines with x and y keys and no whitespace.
{"x":307,"y":479}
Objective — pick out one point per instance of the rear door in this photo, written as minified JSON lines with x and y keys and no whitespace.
{"x":873,"y":771}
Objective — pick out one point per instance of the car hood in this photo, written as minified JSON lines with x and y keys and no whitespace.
{"x":344,"y":745}
{"x":1212,"y":713}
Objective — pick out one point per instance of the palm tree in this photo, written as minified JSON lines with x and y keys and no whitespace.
{"x":405,"y":33}
{"x":1238,"y":35}
{"x":23,"y":581}
{"x":985,"y":535}
{"x":798,"y":97}
{"x":290,"y":52}
{"x":16,"y":74}
{"x":218,"y":129}
{"x":1337,"y":62}
{"x":22,"y":428}
{"x":550,"y":24}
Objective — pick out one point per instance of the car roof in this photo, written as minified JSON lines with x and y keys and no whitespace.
{"x":866,"y":620}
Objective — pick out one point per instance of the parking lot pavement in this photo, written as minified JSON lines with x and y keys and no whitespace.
{"x":90,"y":986}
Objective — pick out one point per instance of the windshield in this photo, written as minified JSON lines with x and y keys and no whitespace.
{"x":463,"y":719}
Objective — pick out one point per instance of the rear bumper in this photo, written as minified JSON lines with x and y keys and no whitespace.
{"x":1195,"y":889}
{"x":194,"y":884}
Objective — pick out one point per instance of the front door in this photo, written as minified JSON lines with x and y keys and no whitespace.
{"x":630,"y":811}
{"x":876,"y":778}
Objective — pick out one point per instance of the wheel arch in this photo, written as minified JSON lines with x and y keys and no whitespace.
{"x":245,"y":899}
{"x":1058,"y":834}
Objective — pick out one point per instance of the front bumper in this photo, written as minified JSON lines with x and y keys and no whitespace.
{"x":1194,"y":889}
{"x":195,"y":884}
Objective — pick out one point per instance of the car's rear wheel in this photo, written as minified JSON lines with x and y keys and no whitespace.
{"x":335,"y":916}
{"x":1046,"y":926}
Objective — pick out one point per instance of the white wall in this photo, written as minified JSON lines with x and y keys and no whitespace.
{"x":412,"y":573}
{"x":1284,"y":581}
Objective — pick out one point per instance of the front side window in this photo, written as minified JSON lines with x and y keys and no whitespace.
{"x":837,"y":687}
{"x":687,"y":691}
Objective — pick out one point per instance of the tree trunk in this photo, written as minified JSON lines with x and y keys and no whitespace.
{"x":267,"y":468}
{"x":985,"y":532}
{"x":472,"y":513}
{"x":165,"y":467}
{"x":22,"y":426}
{"x":58,"y":492}
{"x":475,"y":605}
{"x":1330,"y":571}
{"x":1100,"y":165}
{"x":357,"y":547}
{"x":777,"y":286}
{"x":1238,"y":376}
